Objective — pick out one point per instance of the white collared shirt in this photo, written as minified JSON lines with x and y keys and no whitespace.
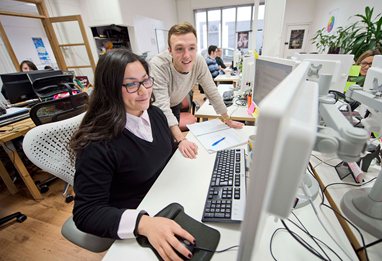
{"x":140,"y":126}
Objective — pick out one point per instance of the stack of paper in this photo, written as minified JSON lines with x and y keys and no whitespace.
{"x":214,"y":135}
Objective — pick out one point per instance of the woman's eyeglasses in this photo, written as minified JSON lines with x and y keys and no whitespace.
{"x":132,"y":87}
{"x":365,"y":63}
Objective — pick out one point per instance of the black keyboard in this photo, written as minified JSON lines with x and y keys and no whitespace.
{"x":226,"y":194}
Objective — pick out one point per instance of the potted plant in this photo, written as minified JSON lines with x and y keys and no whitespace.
{"x":362,"y":35}
{"x":323,"y":40}
{"x":367,"y":33}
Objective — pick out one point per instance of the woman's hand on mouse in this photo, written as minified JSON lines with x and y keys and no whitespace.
{"x":161,"y":234}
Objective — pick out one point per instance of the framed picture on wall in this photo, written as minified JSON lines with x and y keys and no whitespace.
{"x":242,"y":40}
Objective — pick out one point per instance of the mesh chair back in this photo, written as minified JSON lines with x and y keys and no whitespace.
{"x":46,"y":146}
{"x":56,"y":110}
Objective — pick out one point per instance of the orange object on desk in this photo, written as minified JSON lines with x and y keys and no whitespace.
{"x":249,"y":100}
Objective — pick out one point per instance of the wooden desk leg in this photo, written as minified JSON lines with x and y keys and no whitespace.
{"x":18,"y":163}
{"x":7,"y":179}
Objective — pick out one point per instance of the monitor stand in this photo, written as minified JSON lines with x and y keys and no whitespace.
{"x":364,"y":207}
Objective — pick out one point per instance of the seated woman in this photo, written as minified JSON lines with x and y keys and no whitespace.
{"x":26,"y":66}
{"x":121,"y":147}
{"x":365,"y":60}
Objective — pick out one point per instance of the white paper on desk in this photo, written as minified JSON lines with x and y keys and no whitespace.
{"x":206,"y":127}
{"x":208,"y":132}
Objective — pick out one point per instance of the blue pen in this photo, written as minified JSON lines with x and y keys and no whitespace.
{"x":217,"y":142}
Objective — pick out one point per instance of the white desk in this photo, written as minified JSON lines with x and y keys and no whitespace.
{"x":329,"y":175}
{"x":186,"y":181}
{"x":236,"y":112}
{"x":224,"y":78}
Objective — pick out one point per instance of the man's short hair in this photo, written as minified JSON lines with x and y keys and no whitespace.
{"x":182,"y":28}
{"x":212,"y":48}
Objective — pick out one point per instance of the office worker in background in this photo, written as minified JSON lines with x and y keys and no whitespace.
{"x":213,"y":66}
{"x":26,"y":66}
{"x":219,"y":59}
{"x":175,"y":72}
{"x":365,"y":60}
{"x":121,"y":147}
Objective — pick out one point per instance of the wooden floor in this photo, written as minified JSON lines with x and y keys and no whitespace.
{"x":39,"y":237}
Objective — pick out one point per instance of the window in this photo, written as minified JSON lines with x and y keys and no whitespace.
{"x":219,"y":26}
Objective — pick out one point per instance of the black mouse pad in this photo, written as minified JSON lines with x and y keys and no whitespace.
{"x":205,"y":236}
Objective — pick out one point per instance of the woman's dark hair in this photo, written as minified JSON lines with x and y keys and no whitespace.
{"x":106,"y":115}
{"x":30,"y":65}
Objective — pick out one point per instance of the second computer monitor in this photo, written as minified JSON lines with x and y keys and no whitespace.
{"x":339,"y":74}
{"x":270,"y":71}
{"x":286,"y":133}
{"x":17,"y":87}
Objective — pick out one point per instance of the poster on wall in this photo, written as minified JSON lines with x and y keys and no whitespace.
{"x":242,"y":40}
{"x":296,"y":39}
{"x":331,"y":24}
{"x":41,"y":50}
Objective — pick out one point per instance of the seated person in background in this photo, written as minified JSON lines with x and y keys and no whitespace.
{"x":26,"y":66}
{"x":48,"y":67}
{"x":218,"y":58}
{"x":365,"y":60}
{"x":211,"y":61}
{"x":119,"y":135}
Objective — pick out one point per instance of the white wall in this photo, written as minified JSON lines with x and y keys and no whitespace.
{"x":342,"y":9}
{"x":273,"y":27}
{"x":298,"y":12}
{"x":20,"y":32}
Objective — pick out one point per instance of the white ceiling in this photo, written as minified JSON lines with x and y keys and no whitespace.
{"x":18,"y":7}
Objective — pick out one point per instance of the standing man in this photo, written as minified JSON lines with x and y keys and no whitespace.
{"x":175,"y":72}
{"x":219,"y":59}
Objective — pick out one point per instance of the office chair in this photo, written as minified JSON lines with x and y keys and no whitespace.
{"x":187,"y":112}
{"x":47,"y":87}
{"x":56,"y":110}
{"x":46,"y":146}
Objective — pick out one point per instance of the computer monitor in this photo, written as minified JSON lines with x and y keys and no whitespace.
{"x":285,"y":137}
{"x":340,"y":72}
{"x":17,"y":87}
{"x":270,"y":71}
{"x":248,"y":73}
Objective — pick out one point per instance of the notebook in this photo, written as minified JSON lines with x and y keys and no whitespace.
{"x":214,"y":135}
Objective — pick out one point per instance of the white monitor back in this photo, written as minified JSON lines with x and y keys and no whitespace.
{"x":374,"y":74}
{"x":270,"y":71}
{"x":286,"y":132}
{"x":377,"y":61}
{"x":248,"y":73}
{"x":340,"y":74}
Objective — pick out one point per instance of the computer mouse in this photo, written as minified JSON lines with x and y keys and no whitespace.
{"x":187,"y":245}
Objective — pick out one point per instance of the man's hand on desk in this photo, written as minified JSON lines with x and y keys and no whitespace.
{"x":188,"y":149}
{"x":161,"y":234}
{"x":234,"y":124}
